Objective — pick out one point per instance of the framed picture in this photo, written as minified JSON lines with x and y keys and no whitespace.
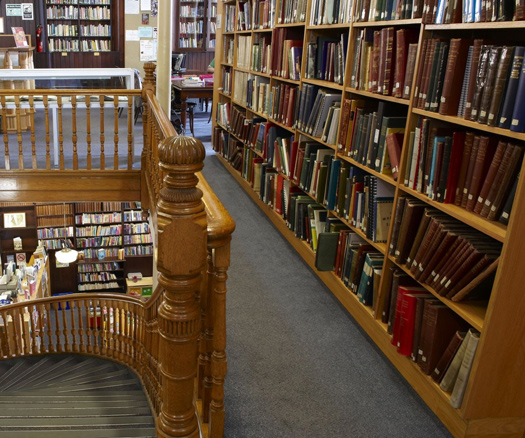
{"x":14,"y":220}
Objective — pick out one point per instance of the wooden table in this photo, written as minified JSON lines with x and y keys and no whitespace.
{"x":190,"y":93}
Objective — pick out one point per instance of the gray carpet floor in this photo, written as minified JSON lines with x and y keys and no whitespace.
{"x":298,"y":364}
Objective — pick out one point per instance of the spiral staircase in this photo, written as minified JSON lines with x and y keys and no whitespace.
{"x":71,"y":396}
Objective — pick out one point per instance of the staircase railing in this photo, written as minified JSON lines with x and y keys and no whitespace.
{"x":176,"y":340}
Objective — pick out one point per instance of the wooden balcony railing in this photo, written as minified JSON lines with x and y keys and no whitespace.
{"x":176,"y":340}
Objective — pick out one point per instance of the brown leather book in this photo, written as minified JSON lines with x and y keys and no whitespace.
{"x":469,"y":140}
{"x":375,"y":59}
{"x":480,"y":81}
{"x":438,"y":238}
{"x":506,"y":184}
{"x":486,"y":150}
{"x":499,"y":84}
{"x":478,"y":272}
{"x":440,"y":325}
{"x":446,"y":264}
{"x":345,"y":121}
{"x":490,"y":81}
{"x":491,"y":174}
{"x":424,"y":327}
{"x":444,"y":245}
{"x":413,"y":211}
{"x":461,"y":271}
{"x":393,"y":145}
{"x":434,"y":227}
{"x":441,"y":261}
{"x":417,"y":80}
{"x":472,"y":80}
{"x":421,"y":230}
{"x":452,"y":269}
{"x":388,"y":79}
{"x":409,"y":71}
{"x":418,"y":322}
{"x":520,"y":10}
{"x":448,"y":355}
{"x":428,"y":62}
{"x":398,"y":217}
{"x":457,"y":59}
{"x":470,"y":170}
{"x":290,"y":110}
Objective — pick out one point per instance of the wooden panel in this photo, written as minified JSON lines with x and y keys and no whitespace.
{"x":496,"y":428}
{"x":197,"y":62}
{"x":50,"y":186}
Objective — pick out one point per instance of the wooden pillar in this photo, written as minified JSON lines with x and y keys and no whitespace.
{"x":218,"y":359}
{"x":182,"y":238}
{"x":147,"y":85}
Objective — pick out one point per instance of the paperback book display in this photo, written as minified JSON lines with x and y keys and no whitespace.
{"x":385,"y":141}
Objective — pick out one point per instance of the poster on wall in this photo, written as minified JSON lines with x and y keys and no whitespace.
{"x":154,"y":8}
{"x":12,"y":10}
{"x":132,"y":7}
{"x":147,"y":51}
{"x":145,"y":5}
{"x":27,"y":11}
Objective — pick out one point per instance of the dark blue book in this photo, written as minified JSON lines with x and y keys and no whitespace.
{"x":507,"y":107}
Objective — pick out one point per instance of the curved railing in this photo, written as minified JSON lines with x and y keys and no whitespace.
{"x":176,"y":340}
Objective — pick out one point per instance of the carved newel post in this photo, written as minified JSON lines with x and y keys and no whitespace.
{"x":181,"y":260}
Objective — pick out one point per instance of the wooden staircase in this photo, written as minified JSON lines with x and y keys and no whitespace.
{"x":76,"y":396}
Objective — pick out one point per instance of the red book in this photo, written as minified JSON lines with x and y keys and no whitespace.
{"x":401,"y":291}
{"x":393,"y":144}
{"x":470,"y":170}
{"x":390,"y":55}
{"x":486,"y":151}
{"x":407,"y":318}
{"x":458,"y":140}
{"x":404,"y":37}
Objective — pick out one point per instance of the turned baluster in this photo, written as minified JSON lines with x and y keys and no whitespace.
{"x":6,"y":347}
{"x":32,"y":127}
{"x":35,"y":329}
{"x":130,"y":132}
{"x":90,"y":317}
{"x":65,"y":328}
{"x":74,"y":345}
{"x":181,"y":259}
{"x":48,"y":136}
{"x":81,"y":327}
{"x":24,"y":341}
{"x":88,"y":132}
{"x":15,"y":324}
{"x":74,"y":130}
{"x":59,"y":346}
{"x":52,"y":348}
{"x":42,"y":320}
{"x":7,"y":161}
{"x":218,"y":358}
{"x":60,"y":134}
{"x":115,"y":137}
{"x":102,"y":137}
{"x":97,"y":326}
{"x":19,"y":134}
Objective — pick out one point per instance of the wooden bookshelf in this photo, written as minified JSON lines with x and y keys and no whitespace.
{"x":494,"y":401}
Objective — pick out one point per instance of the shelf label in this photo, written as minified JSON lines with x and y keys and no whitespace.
{"x":96,"y":53}
{"x":64,"y":53}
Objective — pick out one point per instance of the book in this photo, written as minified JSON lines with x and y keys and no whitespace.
{"x":447,"y":357}
{"x":450,"y":376}
{"x":393,"y":144}
{"x":407,"y":318}
{"x":517,"y":123}
{"x":500,"y":84}
{"x":460,"y":384}
{"x":20,"y":37}
{"x":507,"y":105}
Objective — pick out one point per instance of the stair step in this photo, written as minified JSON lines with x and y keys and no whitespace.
{"x":30,"y":411}
{"x":92,"y":379}
{"x":36,"y":378}
{"x":146,"y":432}
{"x":80,"y":423}
{"x":78,"y":403}
{"x":49,"y":396}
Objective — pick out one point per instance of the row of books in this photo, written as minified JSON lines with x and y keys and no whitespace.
{"x":94,"y":253}
{"x":101,"y":230}
{"x":54,"y":209}
{"x":287,"y":48}
{"x":244,"y":50}
{"x":476,"y":172}
{"x":223,"y":113}
{"x":99,"y":276}
{"x":227,"y":75}
{"x":99,"y":241}
{"x":323,"y":12}
{"x":140,"y":228}
{"x":62,"y":12}
{"x":313,"y":107}
{"x":138,"y":250}
{"x":98,"y":286}
{"x":191,"y":42}
{"x":48,"y":233}
{"x":471,"y":11}
{"x":96,"y":30}
{"x":137,"y":238}
{"x":386,"y":10}
{"x":62,"y":30}
{"x":99,"y":267}
{"x":325,"y":59}
{"x":478,"y":82}
{"x":384,"y":61}
{"x":95,"y":13}
{"x":431,"y":334}
{"x":95,"y":218}
{"x":229,"y":18}
{"x":263,"y":14}
{"x":87,"y":207}
{"x":293,"y":11}
{"x":261,"y":54}
{"x":442,"y":252}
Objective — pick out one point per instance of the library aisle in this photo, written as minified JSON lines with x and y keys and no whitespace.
{"x":298,"y":364}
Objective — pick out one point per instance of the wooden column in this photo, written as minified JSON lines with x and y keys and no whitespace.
{"x":147,"y":85}
{"x":182,"y":254}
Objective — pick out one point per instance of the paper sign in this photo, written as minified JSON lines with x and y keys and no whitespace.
{"x":132,"y":35}
{"x":145,"y":32}
{"x":132,"y":7}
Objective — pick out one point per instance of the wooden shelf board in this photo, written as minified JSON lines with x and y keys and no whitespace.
{"x":382,"y":176}
{"x":494,"y":229}
{"x":380,"y":246}
{"x":328,"y":26}
{"x":262,"y":30}
{"x":473,"y":125}
{"x":324,"y":84}
{"x":478,"y":26}
{"x":422,"y":384}
{"x":318,"y":140}
{"x":471,"y":311}
{"x":414,"y":21}
{"x":302,"y":23}
{"x":378,"y":96}
{"x":291,"y":81}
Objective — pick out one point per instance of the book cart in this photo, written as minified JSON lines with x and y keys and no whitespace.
{"x":494,"y":399}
